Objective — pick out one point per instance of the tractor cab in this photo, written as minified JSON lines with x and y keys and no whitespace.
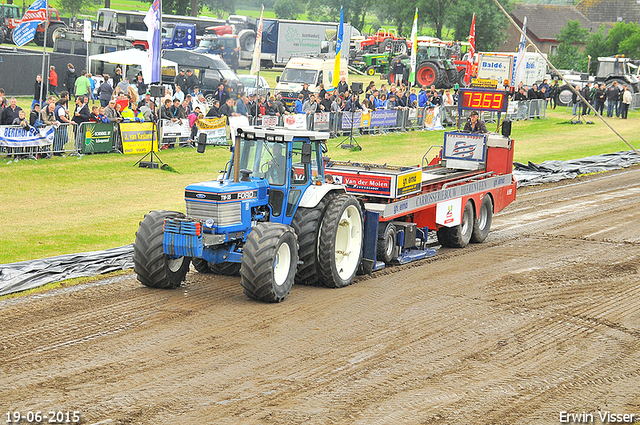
{"x":288,"y":161}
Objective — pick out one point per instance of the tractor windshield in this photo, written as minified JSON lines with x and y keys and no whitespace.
{"x":266,"y":159}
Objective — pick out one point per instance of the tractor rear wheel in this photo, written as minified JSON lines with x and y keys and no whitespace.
{"x":460,"y":235}
{"x":340,"y":248}
{"x":482,"y":225}
{"x":428,"y":74}
{"x":269,"y":262}
{"x":401,"y":47}
{"x":306,"y":224}
{"x":564,"y":95}
{"x":154,"y":268}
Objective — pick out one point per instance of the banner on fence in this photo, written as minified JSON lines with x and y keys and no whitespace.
{"x":321,"y":121}
{"x":215,"y":129}
{"x":270,"y":121}
{"x":365,"y":120}
{"x":346,"y":120}
{"x":173,"y":129}
{"x":384,"y":118}
{"x":18,"y":137}
{"x":433,"y":119}
{"x":138,"y":138}
{"x":296,"y":122}
{"x":97,"y":137}
{"x":413,"y":114}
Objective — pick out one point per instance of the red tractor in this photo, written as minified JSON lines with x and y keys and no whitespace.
{"x":437,"y":63}
{"x":382,"y":42}
{"x":54,"y":23}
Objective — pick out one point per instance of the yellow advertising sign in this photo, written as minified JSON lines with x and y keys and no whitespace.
{"x":211,"y":123}
{"x":484,"y":83}
{"x":138,"y":138}
{"x":408,"y":183}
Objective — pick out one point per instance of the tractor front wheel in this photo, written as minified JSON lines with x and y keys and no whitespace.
{"x":269,"y":262}
{"x":154,"y":268}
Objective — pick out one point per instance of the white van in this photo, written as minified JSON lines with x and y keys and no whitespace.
{"x":312,"y":71}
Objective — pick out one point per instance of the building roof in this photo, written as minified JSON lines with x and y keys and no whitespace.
{"x":545,"y":21}
{"x":610,"y":10}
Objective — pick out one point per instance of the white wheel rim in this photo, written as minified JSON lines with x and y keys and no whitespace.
{"x":482,"y":221}
{"x":348,"y":242}
{"x":175,"y":263}
{"x":466,"y":222}
{"x":390,"y":242}
{"x":282,"y":264}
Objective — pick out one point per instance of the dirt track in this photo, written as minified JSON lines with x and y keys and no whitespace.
{"x":542,"y":318}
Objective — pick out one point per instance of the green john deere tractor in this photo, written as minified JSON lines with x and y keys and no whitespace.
{"x":372,"y":63}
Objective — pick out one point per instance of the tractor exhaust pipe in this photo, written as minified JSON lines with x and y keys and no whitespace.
{"x":236,"y":156}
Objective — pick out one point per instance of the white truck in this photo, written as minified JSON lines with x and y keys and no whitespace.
{"x":505,"y":66}
{"x":312,"y":71}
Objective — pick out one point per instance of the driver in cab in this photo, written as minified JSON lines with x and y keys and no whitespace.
{"x":474,"y":125}
{"x":276,"y":166}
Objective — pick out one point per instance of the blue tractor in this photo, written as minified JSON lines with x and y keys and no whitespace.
{"x":270,"y":218}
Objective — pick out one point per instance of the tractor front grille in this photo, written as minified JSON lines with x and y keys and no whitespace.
{"x":223,"y":214}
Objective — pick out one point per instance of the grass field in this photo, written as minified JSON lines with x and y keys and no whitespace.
{"x":70,"y":204}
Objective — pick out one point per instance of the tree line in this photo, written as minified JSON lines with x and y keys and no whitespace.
{"x":623,"y":38}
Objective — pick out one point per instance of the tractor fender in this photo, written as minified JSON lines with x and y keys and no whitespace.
{"x":314,"y":194}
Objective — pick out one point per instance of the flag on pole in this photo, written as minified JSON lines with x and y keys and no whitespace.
{"x":472,"y":51}
{"x":257,"y":50}
{"x":472,"y":37}
{"x":520,"y":54}
{"x":26,"y":29}
{"x":152,"y":69}
{"x":414,"y":48}
{"x":336,"y":65}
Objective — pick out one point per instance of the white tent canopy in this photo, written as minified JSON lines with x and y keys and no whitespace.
{"x":131,"y":57}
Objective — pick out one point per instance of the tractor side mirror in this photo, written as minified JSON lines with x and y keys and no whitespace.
{"x":306,"y":153}
{"x":277,"y":78}
{"x":202,"y":142}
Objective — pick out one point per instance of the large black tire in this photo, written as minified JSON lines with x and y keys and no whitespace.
{"x":154,"y":268}
{"x":340,"y":249}
{"x":306,"y":224}
{"x":226,"y":269}
{"x":461,"y":74}
{"x":2,"y":35}
{"x":564,"y":95}
{"x":401,"y":47}
{"x":482,"y":225}
{"x":460,"y":235}
{"x":387,"y":42}
{"x":269,"y":262}
{"x":50,"y":33}
{"x":621,"y":82}
{"x":386,"y":242}
{"x":247,"y":40}
{"x":429,"y":74}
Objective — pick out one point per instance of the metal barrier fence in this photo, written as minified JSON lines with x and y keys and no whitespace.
{"x":67,"y":138}
{"x":34,"y":143}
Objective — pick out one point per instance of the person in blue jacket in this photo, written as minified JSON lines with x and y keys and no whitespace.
{"x":423,"y":99}
{"x":299,"y":104}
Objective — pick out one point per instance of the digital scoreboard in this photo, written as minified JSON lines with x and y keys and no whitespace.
{"x":483,"y":99}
